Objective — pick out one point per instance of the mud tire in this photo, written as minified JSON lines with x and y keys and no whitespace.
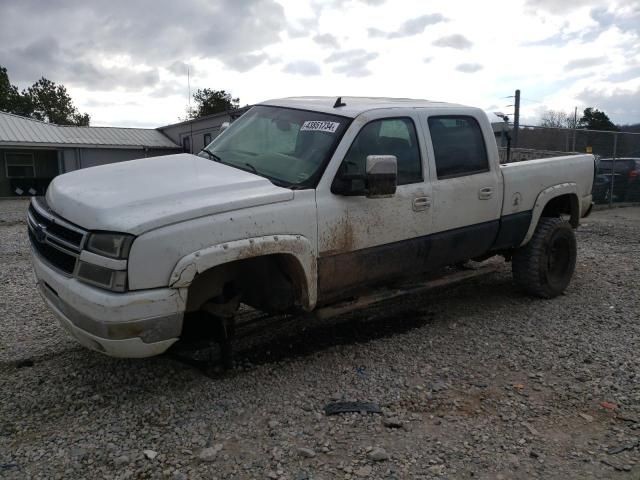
{"x":544,"y":266}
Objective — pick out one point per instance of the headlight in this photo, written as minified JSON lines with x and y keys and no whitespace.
{"x":115,"y":280}
{"x":114,"y":245}
{"x":104,"y":261}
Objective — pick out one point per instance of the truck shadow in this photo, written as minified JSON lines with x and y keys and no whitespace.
{"x":290,"y":337}
{"x":358,"y":328}
{"x":281,"y":343}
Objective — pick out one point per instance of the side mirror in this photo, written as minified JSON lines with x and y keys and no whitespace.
{"x":382,"y":176}
{"x":224,"y":126}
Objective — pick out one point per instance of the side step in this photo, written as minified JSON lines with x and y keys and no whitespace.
{"x":382,"y":295}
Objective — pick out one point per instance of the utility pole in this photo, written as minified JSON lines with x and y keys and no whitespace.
{"x":516,"y":120}
{"x":613,"y":168}
{"x":575,"y":126}
{"x":190,"y":112}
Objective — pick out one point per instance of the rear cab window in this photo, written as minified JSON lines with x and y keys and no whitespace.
{"x":458,"y":146}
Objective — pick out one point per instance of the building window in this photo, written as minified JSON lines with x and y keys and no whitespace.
{"x":186,"y":144}
{"x":19,"y":165}
{"x":207,"y":139}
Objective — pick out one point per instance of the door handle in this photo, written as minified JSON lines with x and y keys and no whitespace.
{"x":485,"y":193}
{"x":421,"y":203}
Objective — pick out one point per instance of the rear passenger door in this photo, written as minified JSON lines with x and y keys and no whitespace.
{"x":466,"y":188}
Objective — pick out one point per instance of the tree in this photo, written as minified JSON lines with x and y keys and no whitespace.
{"x":44,"y":100}
{"x":10,"y":99}
{"x":594,"y":119}
{"x":212,"y":101}
{"x":556,"y":119}
{"x":7,"y":91}
{"x":52,"y":103}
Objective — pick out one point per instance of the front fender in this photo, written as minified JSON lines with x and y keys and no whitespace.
{"x":543,"y":199}
{"x":297,"y":246}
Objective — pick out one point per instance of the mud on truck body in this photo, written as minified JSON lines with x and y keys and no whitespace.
{"x":299,"y":204}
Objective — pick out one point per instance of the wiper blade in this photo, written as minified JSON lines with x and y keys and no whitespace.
{"x":251,"y":167}
{"x":254,"y":170}
{"x":212,"y":155}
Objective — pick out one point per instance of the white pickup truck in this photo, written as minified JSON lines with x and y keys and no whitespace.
{"x":299,"y":204}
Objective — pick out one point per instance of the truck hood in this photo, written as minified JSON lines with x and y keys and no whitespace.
{"x":140,"y":195}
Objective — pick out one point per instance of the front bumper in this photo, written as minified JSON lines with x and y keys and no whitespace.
{"x":129,"y":325}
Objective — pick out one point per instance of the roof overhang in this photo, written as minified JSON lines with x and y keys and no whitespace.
{"x":70,"y":146}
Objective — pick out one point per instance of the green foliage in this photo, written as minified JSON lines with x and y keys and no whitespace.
{"x":44,"y":100}
{"x":7,"y":91}
{"x":10,"y":99}
{"x":594,"y":119}
{"x":210,"y":101}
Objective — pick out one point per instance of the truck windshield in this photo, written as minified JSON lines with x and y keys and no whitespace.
{"x":289,"y":147}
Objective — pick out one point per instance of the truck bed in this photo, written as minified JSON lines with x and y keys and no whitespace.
{"x":523,"y":181}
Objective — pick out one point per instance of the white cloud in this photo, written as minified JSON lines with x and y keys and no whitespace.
{"x":559,"y":7}
{"x":410,"y":27}
{"x":125,"y":64}
{"x":457,"y":41}
{"x":326,"y":40}
{"x":244,"y":63}
{"x":353,"y":63}
{"x":302,"y":67}
{"x":469,"y":67}
{"x":586,"y":62}
{"x":180,"y":68}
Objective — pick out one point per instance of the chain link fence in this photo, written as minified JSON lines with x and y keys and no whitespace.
{"x":617,"y":156}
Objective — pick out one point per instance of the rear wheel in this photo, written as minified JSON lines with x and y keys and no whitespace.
{"x":544,"y":266}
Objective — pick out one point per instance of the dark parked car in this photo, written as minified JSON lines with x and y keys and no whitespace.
{"x":626,"y":181}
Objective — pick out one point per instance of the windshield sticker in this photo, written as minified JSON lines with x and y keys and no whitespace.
{"x":320,"y":126}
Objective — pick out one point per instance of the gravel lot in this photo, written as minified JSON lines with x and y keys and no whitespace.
{"x":474,"y":381}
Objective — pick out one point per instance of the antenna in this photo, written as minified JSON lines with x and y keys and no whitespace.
{"x":188,"y":89}
{"x":339,"y":103}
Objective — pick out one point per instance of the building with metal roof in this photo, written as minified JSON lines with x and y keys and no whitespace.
{"x":195,"y":134}
{"x":33,"y":152}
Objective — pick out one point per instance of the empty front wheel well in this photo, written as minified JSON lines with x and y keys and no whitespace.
{"x":563,"y":205}
{"x":272,"y":283}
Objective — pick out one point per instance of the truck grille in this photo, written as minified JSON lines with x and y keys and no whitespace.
{"x":58,"y":258}
{"x":56,"y":240}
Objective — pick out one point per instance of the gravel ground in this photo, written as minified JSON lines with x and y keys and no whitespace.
{"x":12,"y":211}
{"x":474,"y":381}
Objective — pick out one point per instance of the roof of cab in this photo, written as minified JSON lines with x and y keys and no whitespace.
{"x":354,"y":105}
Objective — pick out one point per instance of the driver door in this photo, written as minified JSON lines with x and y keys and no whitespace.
{"x":363,"y":241}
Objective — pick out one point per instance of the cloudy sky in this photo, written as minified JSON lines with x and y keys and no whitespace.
{"x":125,"y":62}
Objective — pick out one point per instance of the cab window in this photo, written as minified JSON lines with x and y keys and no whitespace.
{"x":458,"y":146}
{"x":388,"y":136}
